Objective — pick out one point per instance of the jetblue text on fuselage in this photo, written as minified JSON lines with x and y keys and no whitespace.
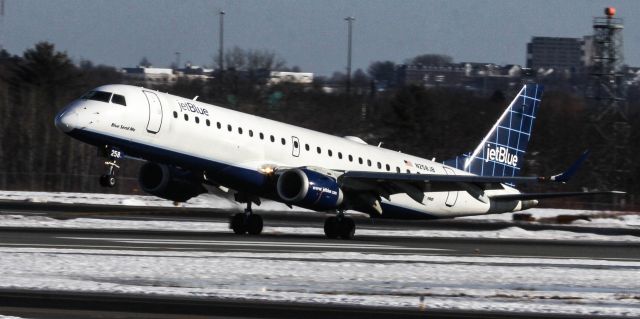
{"x":186,"y":106}
{"x":500,"y":154}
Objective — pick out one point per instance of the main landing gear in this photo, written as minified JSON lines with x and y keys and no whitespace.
{"x":246,"y":223}
{"x":339,"y":226}
{"x":109,"y":178}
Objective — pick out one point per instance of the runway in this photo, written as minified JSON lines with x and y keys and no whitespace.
{"x":295,"y":243}
{"x":288,"y":274}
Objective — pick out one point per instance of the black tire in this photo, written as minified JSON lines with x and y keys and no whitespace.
{"x":254,"y":224}
{"x":347,"y":228}
{"x":107,"y":180}
{"x":331,"y":227}
{"x":236,"y":223}
{"x":104,"y":181}
{"x":111,"y":181}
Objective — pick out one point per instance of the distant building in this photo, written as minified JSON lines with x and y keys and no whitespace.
{"x":276,"y":77}
{"x":146,"y":76}
{"x":559,"y":55}
{"x":473,"y":76}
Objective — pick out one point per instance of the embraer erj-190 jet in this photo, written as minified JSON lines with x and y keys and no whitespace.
{"x":192,"y":148}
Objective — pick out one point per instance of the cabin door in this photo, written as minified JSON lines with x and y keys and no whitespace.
{"x":155,"y":112}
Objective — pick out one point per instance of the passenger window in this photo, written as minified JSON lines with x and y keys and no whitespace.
{"x":239,"y":130}
{"x":295,"y":144}
{"x":219,"y":125}
{"x":388,"y":167}
{"x":360,"y":160}
{"x":175,"y":114}
{"x":283,"y":141}
{"x":197,"y":119}
{"x":250,"y":133}
{"x":379,"y":165}
{"x":330,"y":153}
{"x":229,"y":128}
{"x":397,"y":169}
{"x":186,"y":117}
{"x":306,"y":147}
{"x":339,"y":155}
{"x":369,"y":162}
{"x":261,"y":136}
{"x":273,"y":139}
{"x":118,"y":99}
{"x":208,"y":122}
{"x":318,"y":150}
{"x":408,"y":171}
{"x":350,"y":158}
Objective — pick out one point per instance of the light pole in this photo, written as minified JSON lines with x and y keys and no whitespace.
{"x":350,"y":26}
{"x":221,"y":45}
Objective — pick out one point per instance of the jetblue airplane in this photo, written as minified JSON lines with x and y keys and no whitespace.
{"x":193,"y":148}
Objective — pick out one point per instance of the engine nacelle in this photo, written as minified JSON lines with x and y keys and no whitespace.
{"x":169,"y":182}
{"x":309,"y":189}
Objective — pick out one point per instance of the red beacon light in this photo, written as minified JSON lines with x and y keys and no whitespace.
{"x":610,"y":12}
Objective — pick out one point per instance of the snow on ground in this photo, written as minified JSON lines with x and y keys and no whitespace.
{"x":93,"y":223}
{"x":202,"y":201}
{"x":613,"y":219}
{"x":579,"y":286}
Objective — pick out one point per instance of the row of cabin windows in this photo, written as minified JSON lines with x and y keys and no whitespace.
{"x":283,"y":141}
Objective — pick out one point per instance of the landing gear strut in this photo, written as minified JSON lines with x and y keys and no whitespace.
{"x":109,"y":178}
{"x":247,"y":222}
{"x":339,"y":226}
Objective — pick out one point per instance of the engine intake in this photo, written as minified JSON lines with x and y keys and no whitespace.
{"x":169,"y":182}
{"x":309,"y":189}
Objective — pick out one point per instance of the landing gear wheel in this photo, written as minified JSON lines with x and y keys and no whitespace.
{"x":347,"y":228}
{"x":107,"y":180}
{"x":236,"y":223}
{"x":331,"y":227}
{"x":254,"y":224}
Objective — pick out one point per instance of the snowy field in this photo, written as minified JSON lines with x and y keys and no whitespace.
{"x":598,"y":218}
{"x":577,"y":286}
{"x":559,"y":285}
{"x":630,"y":220}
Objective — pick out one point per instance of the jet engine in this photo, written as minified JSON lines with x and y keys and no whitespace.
{"x":309,"y":189}
{"x":169,"y":182}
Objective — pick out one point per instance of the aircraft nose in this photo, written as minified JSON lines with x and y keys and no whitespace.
{"x":66,"y":120}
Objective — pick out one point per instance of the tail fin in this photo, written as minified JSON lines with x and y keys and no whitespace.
{"x":501,"y":152}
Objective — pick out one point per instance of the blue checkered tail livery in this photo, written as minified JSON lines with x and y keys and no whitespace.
{"x":501,"y":152}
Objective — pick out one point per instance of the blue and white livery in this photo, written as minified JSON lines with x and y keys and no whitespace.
{"x":193,"y":147}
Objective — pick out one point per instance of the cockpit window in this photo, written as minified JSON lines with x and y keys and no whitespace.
{"x":118,"y":99}
{"x":97,"y":96}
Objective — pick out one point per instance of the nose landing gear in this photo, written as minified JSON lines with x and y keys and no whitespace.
{"x":109,"y":178}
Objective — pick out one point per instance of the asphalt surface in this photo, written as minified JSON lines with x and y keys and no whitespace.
{"x":82,"y":305}
{"x":227,"y":242}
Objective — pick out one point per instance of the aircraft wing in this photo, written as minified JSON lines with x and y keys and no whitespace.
{"x":415,"y":185}
{"x":527,"y":196}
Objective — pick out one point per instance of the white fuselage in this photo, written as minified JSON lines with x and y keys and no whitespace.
{"x":184,"y":127}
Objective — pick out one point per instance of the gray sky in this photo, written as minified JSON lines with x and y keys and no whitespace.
{"x":309,"y":33}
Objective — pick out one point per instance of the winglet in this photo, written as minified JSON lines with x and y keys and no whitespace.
{"x":566,"y":175}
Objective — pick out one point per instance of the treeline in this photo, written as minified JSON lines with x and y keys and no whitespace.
{"x":439,"y":123}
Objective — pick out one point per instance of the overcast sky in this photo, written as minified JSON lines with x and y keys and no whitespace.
{"x":309,"y":33}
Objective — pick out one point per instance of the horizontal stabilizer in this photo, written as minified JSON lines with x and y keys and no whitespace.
{"x":566,"y":175}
